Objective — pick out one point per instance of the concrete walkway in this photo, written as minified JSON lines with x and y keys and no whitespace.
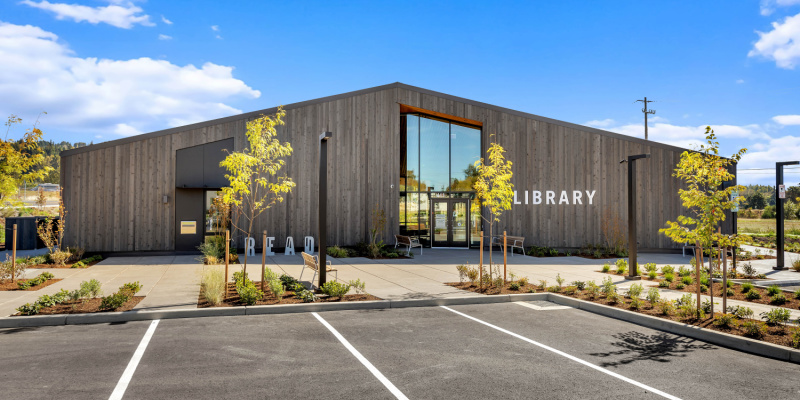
{"x":173,"y":282}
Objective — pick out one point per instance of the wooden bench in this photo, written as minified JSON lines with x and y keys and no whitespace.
{"x":408,"y":242}
{"x":312,"y":262}
{"x":511,"y":241}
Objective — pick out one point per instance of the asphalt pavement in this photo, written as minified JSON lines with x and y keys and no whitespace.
{"x":505,"y":350}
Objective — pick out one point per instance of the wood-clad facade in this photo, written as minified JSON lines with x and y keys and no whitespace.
{"x":114,"y":191}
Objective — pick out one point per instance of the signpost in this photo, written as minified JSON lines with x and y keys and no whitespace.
{"x":633,"y":271}
{"x":781,"y":189}
{"x":323,"y":206}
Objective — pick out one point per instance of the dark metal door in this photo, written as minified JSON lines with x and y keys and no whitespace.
{"x":450,"y":222}
{"x":189,"y":219}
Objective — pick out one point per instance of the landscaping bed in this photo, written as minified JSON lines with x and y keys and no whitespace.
{"x":779,"y":334}
{"x":289,"y":297}
{"x":75,"y":264}
{"x":12,"y":286}
{"x":85,"y":306}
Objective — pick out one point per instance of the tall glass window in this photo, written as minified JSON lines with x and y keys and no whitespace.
{"x":435,"y":155}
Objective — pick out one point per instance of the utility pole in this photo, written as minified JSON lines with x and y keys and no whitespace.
{"x":646,"y":111}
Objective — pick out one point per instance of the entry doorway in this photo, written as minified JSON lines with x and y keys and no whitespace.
{"x":450,"y":222}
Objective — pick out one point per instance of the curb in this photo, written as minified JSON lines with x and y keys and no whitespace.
{"x":735,"y":342}
{"x":147,"y":315}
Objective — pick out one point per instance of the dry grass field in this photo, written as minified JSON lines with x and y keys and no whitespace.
{"x":765,"y":225}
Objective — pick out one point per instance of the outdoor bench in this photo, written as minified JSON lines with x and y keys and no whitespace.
{"x":511,"y":241}
{"x":312,"y":262}
{"x":408,"y":242}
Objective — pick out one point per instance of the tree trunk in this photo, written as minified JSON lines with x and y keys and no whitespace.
{"x":491,"y":277}
{"x":699,"y":258}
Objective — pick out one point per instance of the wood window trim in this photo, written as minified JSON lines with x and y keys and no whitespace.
{"x":404,"y":109}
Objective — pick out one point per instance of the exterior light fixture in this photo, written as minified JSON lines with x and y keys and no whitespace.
{"x":633,"y":268}
{"x":323,"y":206}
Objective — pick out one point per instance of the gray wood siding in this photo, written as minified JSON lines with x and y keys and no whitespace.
{"x":114,"y":194}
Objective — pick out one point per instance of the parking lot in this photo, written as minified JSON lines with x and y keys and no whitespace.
{"x":507,"y":350}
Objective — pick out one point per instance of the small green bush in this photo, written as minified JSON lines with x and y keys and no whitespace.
{"x":667,"y":269}
{"x":754,"y":329}
{"x":240,"y":276}
{"x":776,"y":316}
{"x":523,"y":281}
{"x":113,"y":301}
{"x":663,"y":284}
{"x":740,"y":312}
{"x":747,"y":287}
{"x":608,"y":286}
{"x":635,"y":304}
{"x":513,"y":286}
{"x":307,"y":296}
{"x":778,"y":299}
{"x":622,"y":266}
{"x":335,"y":289}
{"x":130,"y":288}
{"x":92,"y":288}
{"x":559,"y":280}
{"x":635,"y":291}
{"x":729,"y":283}
{"x":42,"y":278}
{"x":796,"y":339}
{"x":666,"y":307}
{"x":797,"y":294}
{"x":669,"y":277}
{"x":592,"y":289}
{"x":580,"y":285}
{"x":613,"y":298}
{"x":652,"y":275}
{"x":277,"y":288}
{"x":705,"y":281}
{"x":726,"y":321}
{"x":653,"y":296}
{"x":287,"y":281}
{"x":554,"y":289}
{"x":249,"y":293}
{"x":680,"y":286}
{"x":687,"y":280}
{"x":703,"y":288}
{"x":570,"y":290}
{"x":650,"y":267}
{"x":729,"y":292}
{"x":29,"y":309}
{"x":773,"y":290}
{"x":683,"y":271}
{"x":606,"y":267}
{"x":753,"y":295}
{"x":336,"y":251}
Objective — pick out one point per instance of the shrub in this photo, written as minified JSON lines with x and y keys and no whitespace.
{"x":240,"y":276}
{"x":523,"y":281}
{"x":753,"y":295}
{"x":473,"y":274}
{"x":726,"y":321}
{"x":554,"y":289}
{"x":650,"y":267}
{"x":130,"y":288}
{"x":796,"y":339}
{"x":778,"y":299}
{"x":336,"y":289}
{"x":559,"y":280}
{"x":748,"y":270}
{"x":680,"y":286}
{"x":307,"y":296}
{"x":91,"y":288}
{"x":683,"y":271}
{"x":514,"y":286}
{"x":687,"y":280}
{"x":635,"y":291}
{"x":667,"y":269}
{"x":543,"y":284}
{"x":580,"y":285}
{"x":608,"y":286}
{"x":669,"y":277}
{"x":60,"y":257}
{"x":797,"y":294}
{"x":684,"y":300}
{"x":686,"y":312}
{"x":729,"y":292}
{"x":276,"y":287}
{"x":606,"y":267}
{"x":706,"y":306}
{"x":358,"y":286}
{"x":776,"y":316}
{"x":635,"y":304}
{"x":796,"y":265}
{"x":29,"y":309}
{"x":113,"y":301}
{"x":213,"y":283}
{"x":703,"y":288}
{"x":666,"y":307}
{"x":6,"y":272}
{"x":729,"y":283}
{"x":570,"y":290}
{"x":212,"y":251}
{"x":740,"y":312}
{"x":622,"y":267}
{"x":613,"y":297}
{"x":498,"y":281}
{"x":663,"y":284}
{"x":746,"y":287}
{"x":652,"y":275}
{"x":287,"y":281}
{"x":249,"y":293}
{"x":42,"y":278}
{"x":592,"y":289}
{"x":336,"y":251}
{"x":462,"y":272}
{"x":704,"y":281}
{"x":773,"y":290}
{"x":269,"y":275}
{"x":653,"y":296}
{"x":754,"y":329}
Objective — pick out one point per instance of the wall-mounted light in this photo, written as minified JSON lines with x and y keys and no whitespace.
{"x":165,"y":199}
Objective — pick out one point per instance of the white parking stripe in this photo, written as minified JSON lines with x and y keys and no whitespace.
{"x":573,"y":358}
{"x":389,"y":385}
{"x":122,"y":385}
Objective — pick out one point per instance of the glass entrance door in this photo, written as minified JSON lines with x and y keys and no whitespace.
{"x":450,"y":223}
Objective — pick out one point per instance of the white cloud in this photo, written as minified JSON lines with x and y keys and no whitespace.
{"x":690,"y":137}
{"x":787,"y":119}
{"x":740,"y":81}
{"x":781,"y":44}
{"x":768,"y":6}
{"x":600,"y":123}
{"x":165,"y":20}
{"x":164,"y":37}
{"x":122,"y":14}
{"x":94,"y":96}
{"x":219,"y":37}
{"x":215,"y":28}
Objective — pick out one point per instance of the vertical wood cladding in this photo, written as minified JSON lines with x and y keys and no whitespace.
{"x":114,"y":193}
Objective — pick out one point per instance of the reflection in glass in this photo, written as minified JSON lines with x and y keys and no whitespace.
{"x":440,"y":221}
{"x":409,"y":177}
{"x":213,"y":220}
{"x":433,"y":149}
{"x":459,"y":222}
{"x":465,"y":149}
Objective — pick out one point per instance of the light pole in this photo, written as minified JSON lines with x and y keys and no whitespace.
{"x":779,"y":206}
{"x":323,"y":206}
{"x":633,"y":270}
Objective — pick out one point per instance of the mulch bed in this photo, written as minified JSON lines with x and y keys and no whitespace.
{"x":233,"y":299}
{"x":89,"y":306}
{"x":68,"y":265}
{"x":775,"y":334}
{"x":791,"y":302}
{"x":8,"y":286}
{"x":603,"y":257}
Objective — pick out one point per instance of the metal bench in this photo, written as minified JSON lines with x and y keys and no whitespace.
{"x":511,"y":241}
{"x":312,"y":262}
{"x":408,"y":242}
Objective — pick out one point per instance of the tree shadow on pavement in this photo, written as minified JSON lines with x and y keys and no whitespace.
{"x":659,"y":347}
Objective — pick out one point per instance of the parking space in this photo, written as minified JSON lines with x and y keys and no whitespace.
{"x":503,"y":350}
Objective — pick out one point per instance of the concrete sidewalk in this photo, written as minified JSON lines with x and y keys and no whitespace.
{"x":173,"y":282}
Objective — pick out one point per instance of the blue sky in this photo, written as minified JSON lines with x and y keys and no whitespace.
{"x":109,"y":69}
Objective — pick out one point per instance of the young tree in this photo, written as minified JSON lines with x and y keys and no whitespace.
{"x":704,"y":173}
{"x":493,"y":188}
{"x":20,"y":161}
{"x":757,"y":201}
{"x":255,"y":185}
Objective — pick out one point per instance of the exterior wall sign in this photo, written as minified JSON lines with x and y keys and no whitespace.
{"x":188,"y":227}
{"x":537,"y":197}
{"x":781,"y":191}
